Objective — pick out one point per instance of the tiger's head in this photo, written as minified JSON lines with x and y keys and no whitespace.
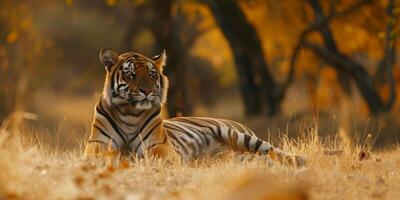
{"x":134,"y":79}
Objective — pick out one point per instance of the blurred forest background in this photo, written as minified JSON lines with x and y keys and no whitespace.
{"x":281,"y":67}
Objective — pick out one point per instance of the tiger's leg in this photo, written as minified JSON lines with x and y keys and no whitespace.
{"x":103,"y":150}
{"x":99,"y":145}
{"x":96,"y":148}
{"x":158,"y":144}
{"x":164,"y":152}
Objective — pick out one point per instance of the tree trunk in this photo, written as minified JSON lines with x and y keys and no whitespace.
{"x":255,"y":80}
{"x":167,"y":38}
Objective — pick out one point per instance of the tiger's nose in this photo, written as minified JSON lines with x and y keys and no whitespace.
{"x":145,"y":91}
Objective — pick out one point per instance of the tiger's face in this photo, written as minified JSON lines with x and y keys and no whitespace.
{"x":134,"y":79}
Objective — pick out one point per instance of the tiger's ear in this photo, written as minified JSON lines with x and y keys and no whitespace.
{"x":108,"y":57}
{"x":160,"y":60}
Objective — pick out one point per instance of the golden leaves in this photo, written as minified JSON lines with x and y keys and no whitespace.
{"x":12,"y":37}
{"x":396,"y":11}
{"x":138,"y":2}
{"x":111,"y":3}
{"x":26,"y":23}
{"x":381,"y":35}
{"x":69,"y":2}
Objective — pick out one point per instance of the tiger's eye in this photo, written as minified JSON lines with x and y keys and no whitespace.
{"x":130,"y":74}
{"x":153,"y":75}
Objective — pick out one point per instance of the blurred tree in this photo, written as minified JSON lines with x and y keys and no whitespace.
{"x":174,"y":32}
{"x":139,"y":21}
{"x":16,"y":36}
{"x":344,"y":64}
{"x":167,"y":38}
{"x":7,"y":74}
{"x":158,"y":17}
{"x":256,"y":82}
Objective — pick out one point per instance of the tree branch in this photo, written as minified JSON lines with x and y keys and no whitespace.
{"x":344,"y":64}
{"x":321,"y":22}
{"x":361,"y":77}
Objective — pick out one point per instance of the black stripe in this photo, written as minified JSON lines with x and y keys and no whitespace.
{"x":105,"y":134}
{"x":223,"y":150}
{"x":238,"y":126}
{"x":118,"y":76}
{"x":190,"y":145}
{"x":248,"y":130}
{"x":173,"y":128}
{"x":120,"y":116}
{"x":246,"y":141}
{"x":183,"y":131}
{"x":204,"y":136}
{"x":101,"y":110}
{"x":148,"y":134}
{"x":198,"y":143}
{"x":229,"y":125}
{"x":144,"y":125}
{"x":219,"y":133}
{"x":100,"y":122}
{"x":128,"y":114}
{"x":150,"y":119}
{"x":114,"y":94}
{"x":197,"y":124}
{"x":120,"y":85}
{"x":178,"y":142}
{"x":229,"y":133}
{"x":183,"y":139}
{"x":198,"y":132}
{"x":163,"y":142}
{"x":119,"y":81}
{"x":232,"y":130}
{"x":258,"y":144}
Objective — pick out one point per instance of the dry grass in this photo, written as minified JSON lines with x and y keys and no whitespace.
{"x":29,"y":170}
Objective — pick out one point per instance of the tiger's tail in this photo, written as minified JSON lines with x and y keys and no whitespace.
{"x":245,"y":142}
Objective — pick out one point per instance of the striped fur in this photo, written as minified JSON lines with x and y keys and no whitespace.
{"x":129,"y":122}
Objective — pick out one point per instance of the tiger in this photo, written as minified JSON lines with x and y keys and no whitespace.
{"x":128,"y":119}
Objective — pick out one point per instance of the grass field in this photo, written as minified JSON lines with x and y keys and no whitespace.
{"x":30,"y":170}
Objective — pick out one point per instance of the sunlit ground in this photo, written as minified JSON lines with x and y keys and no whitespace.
{"x":30,"y":170}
